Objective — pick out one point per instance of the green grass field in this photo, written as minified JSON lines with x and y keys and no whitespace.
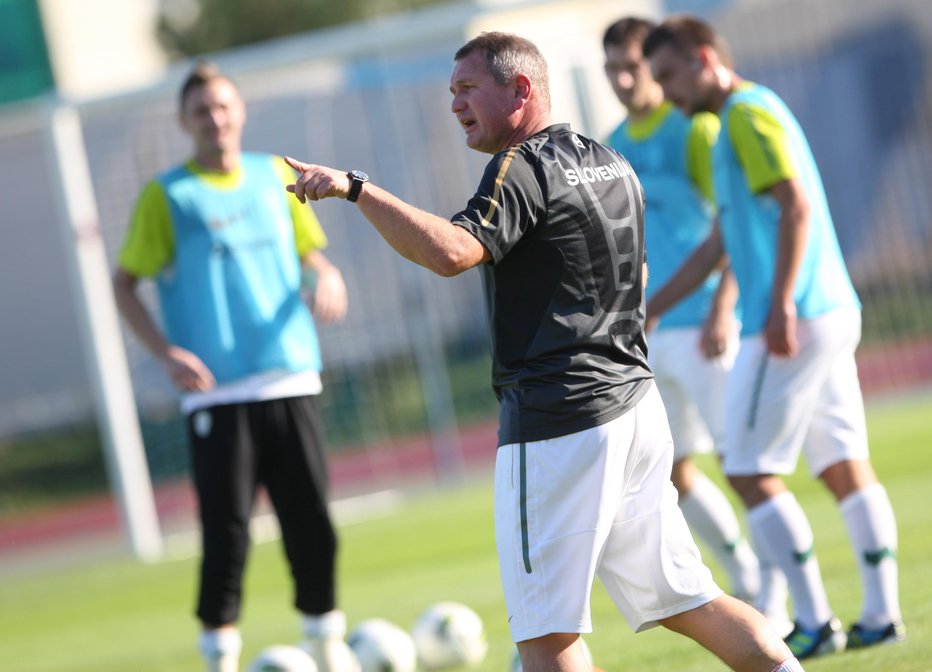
{"x":120,"y":615}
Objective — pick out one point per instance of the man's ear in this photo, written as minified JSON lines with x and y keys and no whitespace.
{"x":707,"y":56}
{"x":522,"y":90}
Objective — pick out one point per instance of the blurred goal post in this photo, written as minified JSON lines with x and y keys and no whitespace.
{"x":102,"y":339}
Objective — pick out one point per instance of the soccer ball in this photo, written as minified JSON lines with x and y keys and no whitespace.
{"x":449,"y":634}
{"x":282,"y":658}
{"x":516,"y":659}
{"x":381,"y":646}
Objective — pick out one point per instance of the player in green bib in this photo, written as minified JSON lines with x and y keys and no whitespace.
{"x":794,"y":387}
{"x":228,"y":252}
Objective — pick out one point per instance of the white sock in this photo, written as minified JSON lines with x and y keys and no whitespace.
{"x":220,"y":649}
{"x":710,"y":515}
{"x":783,"y":523}
{"x":773,"y":596}
{"x":789,"y":665}
{"x":324,"y":642}
{"x":871,"y":525}
{"x":330,"y":624}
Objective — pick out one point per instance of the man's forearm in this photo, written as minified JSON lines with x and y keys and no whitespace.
{"x":428,"y":240}
{"x":138,"y":317}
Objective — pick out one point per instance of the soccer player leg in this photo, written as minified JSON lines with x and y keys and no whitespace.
{"x":735,"y":632}
{"x":547,"y":502}
{"x":295,"y":470}
{"x":650,"y":564}
{"x":838,"y":441}
{"x":225,"y":480}
{"x":221,"y":649}
{"x":771,"y":403}
{"x":695,"y":409}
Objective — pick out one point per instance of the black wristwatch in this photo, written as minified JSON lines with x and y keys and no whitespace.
{"x":358,"y":178}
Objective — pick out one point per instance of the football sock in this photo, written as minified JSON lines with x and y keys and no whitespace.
{"x":872,"y":527}
{"x":324,"y":642}
{"x":783,"y":523}
{"x":220,"y":649}
{"x":330,"y":624}
{"x":711,"y":516}
{"x":773,"y":596}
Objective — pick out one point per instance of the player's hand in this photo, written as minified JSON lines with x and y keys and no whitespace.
{"x":329,"y":295}
{"x":717,"y":331}
{"x":317,"y":182}
{"x":780,"y":331}
{"x":186,"y":370}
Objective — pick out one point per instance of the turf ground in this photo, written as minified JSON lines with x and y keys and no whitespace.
{"x":121,"y":615}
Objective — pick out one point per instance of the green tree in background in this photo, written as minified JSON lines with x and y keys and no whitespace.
{"x":192,"y":27}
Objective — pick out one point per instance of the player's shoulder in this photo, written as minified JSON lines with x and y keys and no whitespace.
{"x":171,"y":174}
{"x":258,"y":157}
{"x":561,"y":138}
{"x":263,"y":160}
{"x":750,"y":99}
{"x":263,"y":163}
{"x":704,"y":127}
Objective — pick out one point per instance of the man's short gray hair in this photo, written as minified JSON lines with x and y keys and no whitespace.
{"x":508,"y":56}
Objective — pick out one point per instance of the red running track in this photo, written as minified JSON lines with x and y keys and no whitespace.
{"x":388,"y":464}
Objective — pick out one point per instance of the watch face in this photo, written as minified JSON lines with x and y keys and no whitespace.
{"x":359,"y":175}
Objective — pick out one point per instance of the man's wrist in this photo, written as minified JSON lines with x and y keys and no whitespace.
{"x":357,"y":180}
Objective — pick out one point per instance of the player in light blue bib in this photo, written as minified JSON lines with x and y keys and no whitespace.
{"x":794,"y":387}
{"x":693,"y":348}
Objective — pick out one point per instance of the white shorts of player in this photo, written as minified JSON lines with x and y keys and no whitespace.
{"x":777,"y":407}
{"x":692,"y":387}
{"x":597,"y":502}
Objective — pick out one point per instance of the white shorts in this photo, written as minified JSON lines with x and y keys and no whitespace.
{"x":597,"y":502}
{"x":779,"y":406}
{"x":692,"y":387}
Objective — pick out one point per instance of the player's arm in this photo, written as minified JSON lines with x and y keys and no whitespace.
{"x":703,"y":134}
{"x":330,"y":298}
{"x":184,"y":368}
{"x":780,"y":330}
{"x":428,"y":240}
{"x":763,"y":149}
{"x":708,"y":256}
{"x":719,"y":325}
{"x":147,"y":248}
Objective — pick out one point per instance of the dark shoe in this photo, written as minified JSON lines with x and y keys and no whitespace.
{"x":859,"y":636}
{"x":830,"y":638}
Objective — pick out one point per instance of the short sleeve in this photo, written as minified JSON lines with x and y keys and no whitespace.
{"x":308,"y":233}
{"x":149,"y":244}
{"x":762,"y":146}
{"x":703,"y":134}
{"x":508,"y":203}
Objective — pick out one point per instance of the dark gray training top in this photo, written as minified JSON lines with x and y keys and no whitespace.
{"x":563,"y":217}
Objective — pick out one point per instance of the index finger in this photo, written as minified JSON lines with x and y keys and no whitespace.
{"x":297,"y":165}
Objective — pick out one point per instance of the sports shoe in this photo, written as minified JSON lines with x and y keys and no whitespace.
{"x":859,"y":636}
{"x":830,"y":638}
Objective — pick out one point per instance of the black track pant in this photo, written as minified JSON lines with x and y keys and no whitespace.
{"x":235,"y":448}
